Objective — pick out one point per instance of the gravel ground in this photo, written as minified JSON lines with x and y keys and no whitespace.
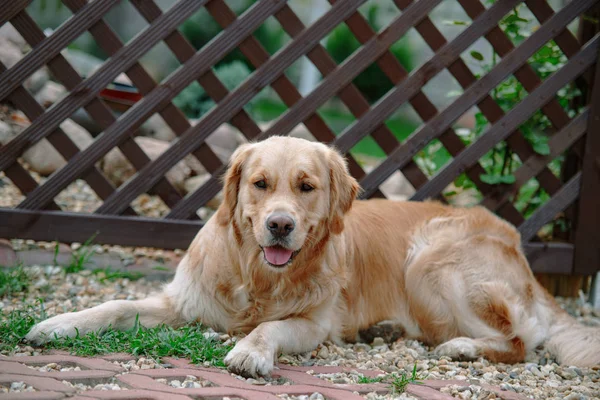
{"x":539,"y":377}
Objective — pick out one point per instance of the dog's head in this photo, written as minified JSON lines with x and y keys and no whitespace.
{"x":284,"y":193}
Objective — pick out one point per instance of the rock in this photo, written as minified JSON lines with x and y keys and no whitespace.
{"x":316,"y":396}
{"x":9,"y":34}
{"x":44,"y":159}
{"x":378,"y":341}
{"x":193,"y":183}
{"x":225,"y":136}
{"x":118,"y":169}
{"x":17,"y":386}
{"x":51,"y":93}
{"x":211,"y":335}
{"x":10,"y":54}
{"x":323,"y":353}
{"x":6,"y":133}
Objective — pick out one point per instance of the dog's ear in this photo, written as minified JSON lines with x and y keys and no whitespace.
{"x":344,"y":189}
{"x":231,"y":186}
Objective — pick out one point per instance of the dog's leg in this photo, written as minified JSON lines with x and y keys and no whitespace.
{"x":118,"y":314}
{"x":254,"y":355}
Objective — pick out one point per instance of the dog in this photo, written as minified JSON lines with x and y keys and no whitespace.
{"x":291,"y":259}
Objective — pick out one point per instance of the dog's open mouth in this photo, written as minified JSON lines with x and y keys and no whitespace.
{"x":278,"y":256}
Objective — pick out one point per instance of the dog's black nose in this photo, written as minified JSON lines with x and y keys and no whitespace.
{"x":280,"y":224}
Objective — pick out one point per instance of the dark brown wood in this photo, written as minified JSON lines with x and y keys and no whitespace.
{"x":69,"y":77}
{"x":258,"y":56}
{"x":587,"y":236}
{"x":67,"y":227}
{"x":118,"y":131}
{"x":489,"y":108}
{"x":86,"y":90}
{"x":546,"y":213}
{"x":23,"y":181}
{"x":175,"y":119}
{"x":269,"y":72}
{"x":558,"y":143}
{"x":61,"y":142}
{"x":515,"y":117}
{"x":549,"y":258}
{"x":52,"y":46}
{"x":307,"y":105}
{"x":183,"y":51}
{"x":472,"y":95}
{"x":12,"y":8}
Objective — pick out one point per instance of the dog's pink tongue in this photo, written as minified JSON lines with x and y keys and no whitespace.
{"x":277,"y":255}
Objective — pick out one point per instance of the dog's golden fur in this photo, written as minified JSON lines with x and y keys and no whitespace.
{"x":453,"y":278}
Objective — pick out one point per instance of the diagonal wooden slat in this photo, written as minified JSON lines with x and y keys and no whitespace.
{"x":23,"y":181}
{"x":183,"y":51}
{"x":85,"y":91}
{"x":52,"y":46}
{"x":341,"y":77}
{"x":546,"y":213}
{"x":270,"y":71}
{"x":289,"y":94}
{"x":587,"y":252}
{"x":529,"y":79}
{"x":69,"y":77}
{"x":558,"y":143}
{"x":517,"y":116}
{"x":111,"y":44}
{"x":471,"y":96}
{"x":59,"y":139}
{"x":216,"y":49}
{"x":490,"y":109}
{"x":12,"y":8}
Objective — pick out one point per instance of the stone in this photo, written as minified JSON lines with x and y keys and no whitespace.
{"x":323,"y":352}
{"x":191,"y":184}
{"x":6,"y":133}
{"x":9,"y":34}
{"x":118,"y":169}
{"x":51,"y":93}
{"x":44,"y":159}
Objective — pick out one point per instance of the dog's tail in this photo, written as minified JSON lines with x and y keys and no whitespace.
{"x":571,"y":342}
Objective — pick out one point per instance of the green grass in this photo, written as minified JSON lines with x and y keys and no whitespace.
{"x":13,"y":281}
{"x":80,"y":257}
{"x":106,"y":274}
{"x":161,"y":341}
{"x":397,"y":382}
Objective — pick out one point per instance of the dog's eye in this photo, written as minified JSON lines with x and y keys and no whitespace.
{"x":261,"y":184}
{"x":305,"y":187}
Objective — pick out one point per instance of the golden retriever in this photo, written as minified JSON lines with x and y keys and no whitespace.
{"x":291,"y":259}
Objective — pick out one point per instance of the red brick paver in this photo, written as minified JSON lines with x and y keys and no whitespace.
{"x":143,"y":384}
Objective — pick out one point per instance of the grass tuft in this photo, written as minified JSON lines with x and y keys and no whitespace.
{"x":80,"y":257}
{"x":398,"y":382}
{"x":13,"y":281}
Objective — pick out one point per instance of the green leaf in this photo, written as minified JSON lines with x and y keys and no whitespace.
{"x":497,"y":179}
{"x":541,"y":148}
{"x":477,"y":55}
{"x":455,"y":22}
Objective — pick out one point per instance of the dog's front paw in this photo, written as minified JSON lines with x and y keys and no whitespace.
{"x":250,"y":359}
{"x":64,"y":325}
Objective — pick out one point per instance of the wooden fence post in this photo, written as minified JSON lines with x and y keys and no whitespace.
{"x":587,"y":235}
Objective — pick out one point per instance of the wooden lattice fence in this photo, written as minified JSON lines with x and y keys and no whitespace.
{"x":572,"y":193}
